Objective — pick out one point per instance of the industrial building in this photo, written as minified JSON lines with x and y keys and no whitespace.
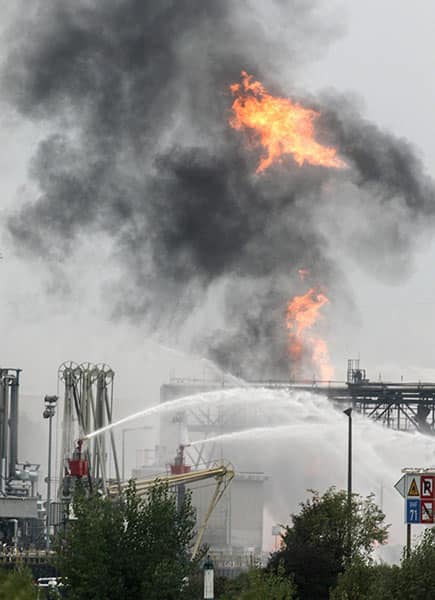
{"x":229,"y":517}
{"x":234,"y":530}
{"x":21,"y":514}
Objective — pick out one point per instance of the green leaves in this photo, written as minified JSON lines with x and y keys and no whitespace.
{"x":258,"y":584}
{"x":135,"y":549}
{"x":417,"y":573}
{"x":413,"y":579}
{"x":17,"y":585}
{"x":315,"y":547}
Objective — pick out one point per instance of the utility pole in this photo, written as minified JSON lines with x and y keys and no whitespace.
{"x":408,"y":540}
{"x":49,"y":412}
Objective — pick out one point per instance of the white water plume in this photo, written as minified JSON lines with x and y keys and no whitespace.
{"x":223,"y":397}
{"x":299,"y":440}
{"x":258,"y":434}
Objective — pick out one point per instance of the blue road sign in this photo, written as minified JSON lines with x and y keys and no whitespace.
{"x":413,"y":510}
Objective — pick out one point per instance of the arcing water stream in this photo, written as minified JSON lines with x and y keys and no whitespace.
{"x":305,"y":446}
{"x":259,"y":434}
{"x":230,"y":398}
{"x":299,"y":440}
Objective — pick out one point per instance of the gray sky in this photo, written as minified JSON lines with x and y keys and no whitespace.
{"x":386,"y":57}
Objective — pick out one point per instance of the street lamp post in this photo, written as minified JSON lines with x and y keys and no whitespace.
{"x":348,"y":413}
{"x":49,"y":412}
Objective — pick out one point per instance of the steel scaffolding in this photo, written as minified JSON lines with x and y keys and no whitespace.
{"x":88,"y":405}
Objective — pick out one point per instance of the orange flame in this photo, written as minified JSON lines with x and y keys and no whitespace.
{"x":321,"y":359}
{"x":281,"y":126}
{"x":302,"y":314}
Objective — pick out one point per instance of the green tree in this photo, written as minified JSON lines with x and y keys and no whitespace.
{"x":137,"y":549}
{"x":17,"y":585}
{"x":417,"y":573}
{"x":258,"y":584}
{"x":365,"y":581}
{"x":415,"y":578}
{"x":314,"y":548}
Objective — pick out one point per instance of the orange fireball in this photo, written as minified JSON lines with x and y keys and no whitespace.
{"x":279,"y":125}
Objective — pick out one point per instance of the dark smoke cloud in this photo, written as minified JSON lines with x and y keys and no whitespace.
{"x":137,"y":92}
{"x":387,"y":165}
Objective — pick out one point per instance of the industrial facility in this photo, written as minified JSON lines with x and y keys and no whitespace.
{"x":21,"y":514}
{"x":228,"y":497}
{"x":234,"y":530}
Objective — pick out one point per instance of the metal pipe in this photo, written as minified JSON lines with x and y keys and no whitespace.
{"x":69,"y":379}
{"x":49,"y":412}
{"x":15,"y":538}
{"x":2,"y":403}
{"x":5,"y":426}
{"x":193,"y":476}
{"x":99,"y":466}
{"x":13,"y":426}
{"x":112,"y":439}
{"x":47,"y":541}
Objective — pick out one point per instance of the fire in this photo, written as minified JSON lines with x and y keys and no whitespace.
{"x":321,"y":359}
{"x":303,"y":312}
{"x":280,"y":126}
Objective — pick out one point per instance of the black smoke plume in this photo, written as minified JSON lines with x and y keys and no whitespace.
{"x":136,"y":93}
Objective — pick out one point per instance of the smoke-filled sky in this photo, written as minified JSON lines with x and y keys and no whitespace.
{"x":133,"y":182}
{"x":133,"y":220}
